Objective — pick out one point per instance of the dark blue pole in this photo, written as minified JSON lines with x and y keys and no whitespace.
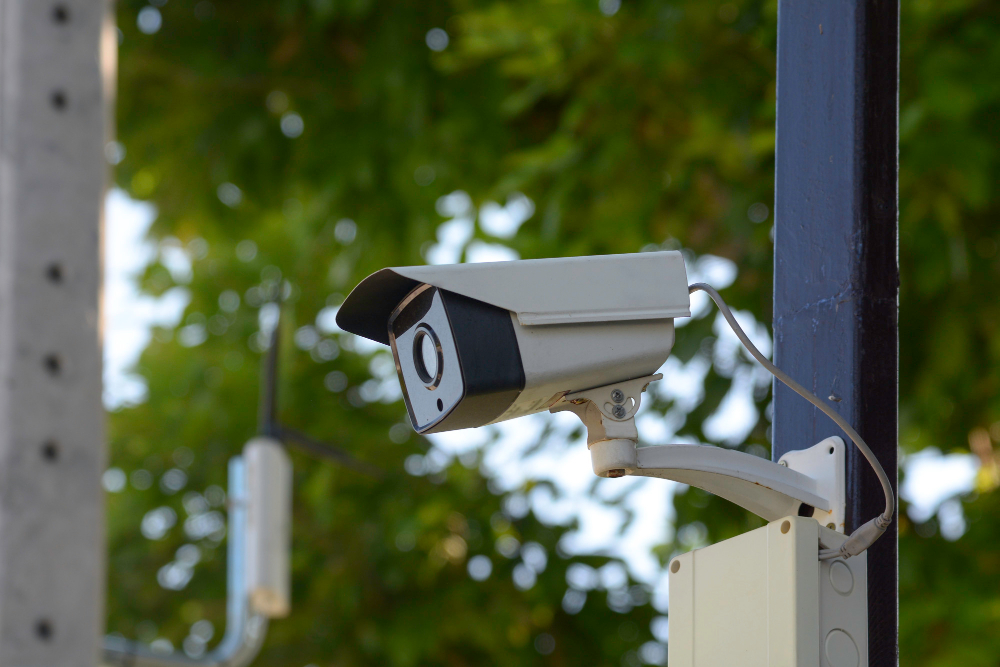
{"x":836,"y":273}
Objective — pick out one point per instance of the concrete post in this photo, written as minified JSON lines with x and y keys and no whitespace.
{"x":52,"y":177}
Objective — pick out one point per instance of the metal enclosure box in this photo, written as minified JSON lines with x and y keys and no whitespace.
{"x":763,"y":599}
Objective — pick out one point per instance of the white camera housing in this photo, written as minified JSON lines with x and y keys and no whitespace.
{"x":481,"y":343}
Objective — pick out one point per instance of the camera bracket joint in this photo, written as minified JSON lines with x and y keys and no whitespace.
{"x":608,"y":413}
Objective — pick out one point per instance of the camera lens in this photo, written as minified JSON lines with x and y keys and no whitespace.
{"x":427,"y":356}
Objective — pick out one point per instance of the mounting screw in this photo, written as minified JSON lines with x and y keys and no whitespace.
{"x":616,"y":472}
{"x":831,"y":526}
{"x":618,"y":396}
{"x":783,"y":463}
{"x":618,"y":411}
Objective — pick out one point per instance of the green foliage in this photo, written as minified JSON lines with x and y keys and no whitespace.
{"x":653,"y":127}
{"x":949,"y":606}
{"x":950,"y":161}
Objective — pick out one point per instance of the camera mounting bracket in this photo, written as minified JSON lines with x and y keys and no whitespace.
{"x":607,"y":411}
{"x":808,"y":482}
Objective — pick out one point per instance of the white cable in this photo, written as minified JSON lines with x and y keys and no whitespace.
{"x":865,"y":536}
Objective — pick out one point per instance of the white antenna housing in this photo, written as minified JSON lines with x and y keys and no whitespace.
{"x":269,"y":530}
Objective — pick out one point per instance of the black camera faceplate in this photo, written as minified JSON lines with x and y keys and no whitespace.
{"x":481,"y":373}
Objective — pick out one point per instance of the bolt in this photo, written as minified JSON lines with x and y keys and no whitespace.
{"x":618,"y":396}
{"x":831,"y":526}
{"x":618,"y":411}
{"x":783,"y":463}
{"x":616,"y":472}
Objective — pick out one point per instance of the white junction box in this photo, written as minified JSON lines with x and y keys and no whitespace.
{"x":764,"y":599}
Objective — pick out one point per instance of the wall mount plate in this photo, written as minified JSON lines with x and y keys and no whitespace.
{"x":824,"y":462}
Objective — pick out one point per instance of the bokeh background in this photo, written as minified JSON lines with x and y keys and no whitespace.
{"x":302,"y":144}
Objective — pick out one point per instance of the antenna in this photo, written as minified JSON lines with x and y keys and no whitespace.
{"x":268,"y":424}
{"x":268,"y":406}
{"x":259,"y":541}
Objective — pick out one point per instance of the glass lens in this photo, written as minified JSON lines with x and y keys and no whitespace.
{"x":426,"y":356}
{"x":429,"y":353}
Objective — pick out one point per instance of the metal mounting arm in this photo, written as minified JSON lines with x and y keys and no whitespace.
{"x":769,"y":490}
{"x":245,"y":629}
{"x":807,"y":482}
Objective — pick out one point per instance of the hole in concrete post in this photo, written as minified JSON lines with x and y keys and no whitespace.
{"x":53,"y":364}
{"x":50,"y":450}
{"x":54,"y":272}
{"x":43,"y":628}
{"x":676,"y":565}
{"x":59,"y":100}
{"x":60,"y":14}
{"x":786,"y":526}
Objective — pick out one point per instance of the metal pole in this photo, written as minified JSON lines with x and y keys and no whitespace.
{"x":52,"y":173}
{"x":836,"y":270}
{"x":245,"y":629}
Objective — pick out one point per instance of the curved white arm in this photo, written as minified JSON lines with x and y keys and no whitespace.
{"x":767,"y":489}
{"x":812,"y":477}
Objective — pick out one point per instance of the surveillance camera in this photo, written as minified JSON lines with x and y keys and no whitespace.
{"x":476,"y":344}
